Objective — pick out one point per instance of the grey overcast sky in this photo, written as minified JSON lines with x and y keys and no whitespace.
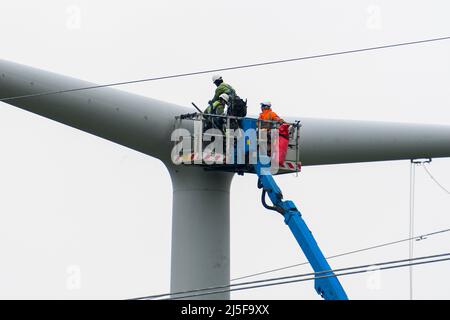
{"x":81,"y":217}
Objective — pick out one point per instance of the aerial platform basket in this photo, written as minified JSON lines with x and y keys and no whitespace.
{"x":199,"y":130}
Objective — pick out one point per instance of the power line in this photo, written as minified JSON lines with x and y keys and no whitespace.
{"x":315,"y":274}
{"x":314,"y":278}
{"x":188,"y":74}
{"x":337,"y":274}
{"x":435,"y":180}
{"x":419,"y":237}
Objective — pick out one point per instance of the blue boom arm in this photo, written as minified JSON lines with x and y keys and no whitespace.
{"x":326,"y":283}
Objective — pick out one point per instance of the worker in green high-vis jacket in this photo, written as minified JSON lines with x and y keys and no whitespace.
{"x":222,"y":88}
{"x":218,"y":107}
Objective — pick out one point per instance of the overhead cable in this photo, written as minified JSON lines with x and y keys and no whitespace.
{"x":245,"y":66}
{"x":416,"y":238}
{"x":317,"y":275}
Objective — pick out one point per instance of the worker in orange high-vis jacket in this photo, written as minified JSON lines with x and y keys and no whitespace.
{"x":269,"y":120}
{"x":268,"y":115}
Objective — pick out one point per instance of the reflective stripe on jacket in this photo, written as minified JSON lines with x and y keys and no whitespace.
{"x":216,"y":108}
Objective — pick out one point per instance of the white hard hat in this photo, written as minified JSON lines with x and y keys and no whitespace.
{"x":216,"y":77}
{"x":266,"y":104}
{"x":225,"y":97}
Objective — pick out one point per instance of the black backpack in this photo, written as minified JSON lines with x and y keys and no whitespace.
{"x":238,"y":108}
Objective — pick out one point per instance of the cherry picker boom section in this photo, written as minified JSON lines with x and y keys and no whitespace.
{"x":326,"y":283}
